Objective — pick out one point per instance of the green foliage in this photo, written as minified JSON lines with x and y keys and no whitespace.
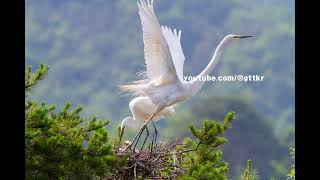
{"x":249,"y":174}
{"x":63,"y":144}
{"x":31,"y":78}
{"x":205,"y":162}
{"x":248,"y":131}
{"x":291,"y":174}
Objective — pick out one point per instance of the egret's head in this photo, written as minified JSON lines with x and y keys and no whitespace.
{"x":229,"y":38}
{"x":232,"y":37}
{"x":130,"y":122}
{"x":125,"y":122}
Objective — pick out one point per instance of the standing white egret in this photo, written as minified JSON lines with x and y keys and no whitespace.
{"x":164,"y":59}
{"x":141,"y":109}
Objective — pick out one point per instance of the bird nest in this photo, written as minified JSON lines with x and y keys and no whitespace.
{"x":160,"y":162}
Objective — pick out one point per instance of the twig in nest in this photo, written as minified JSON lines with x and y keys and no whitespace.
{"x":135,"y":170}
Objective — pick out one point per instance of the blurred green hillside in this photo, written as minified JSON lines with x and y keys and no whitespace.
{"x":93,"y":46}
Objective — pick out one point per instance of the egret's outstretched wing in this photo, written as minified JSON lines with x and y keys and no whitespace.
{"x":156,"y":51}
{"x":173,"y":39}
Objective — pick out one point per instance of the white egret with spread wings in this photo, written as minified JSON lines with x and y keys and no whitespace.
{"x":163,"y":84}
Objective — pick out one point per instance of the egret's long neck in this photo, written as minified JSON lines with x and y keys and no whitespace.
{"x":197,"y":83}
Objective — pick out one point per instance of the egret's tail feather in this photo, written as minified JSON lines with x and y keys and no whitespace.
{"x":135,"y":88}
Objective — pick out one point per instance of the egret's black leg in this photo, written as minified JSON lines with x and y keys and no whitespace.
{"x":135,"y":145}
{"x":137,"y":137}
{"x":154,"y":136}
{"x":145,"y":139}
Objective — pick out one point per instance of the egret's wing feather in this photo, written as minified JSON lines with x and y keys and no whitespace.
{"x":173,"y":40}
{"x":156,"y":51}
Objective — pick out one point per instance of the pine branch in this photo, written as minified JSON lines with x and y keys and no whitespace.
{"x":31,"y":79}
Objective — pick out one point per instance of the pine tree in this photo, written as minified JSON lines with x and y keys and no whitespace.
{"x":205,"y":161}
{"x":63,"y":145}
{"x":31,"y":79}
{"x":249,"y":174}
